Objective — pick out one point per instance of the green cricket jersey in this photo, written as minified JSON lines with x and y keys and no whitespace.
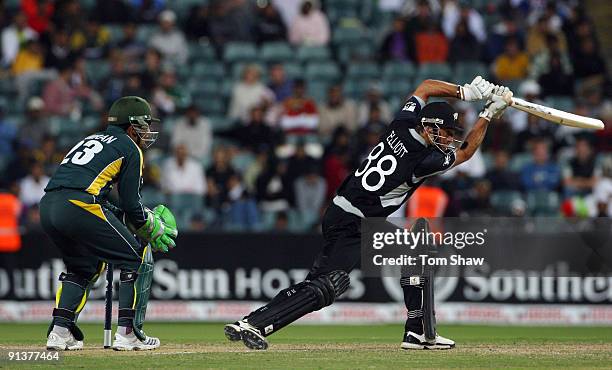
{"x":97,"y":162}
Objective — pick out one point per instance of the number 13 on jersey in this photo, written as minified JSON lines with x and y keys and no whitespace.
{"x":88,"y":149}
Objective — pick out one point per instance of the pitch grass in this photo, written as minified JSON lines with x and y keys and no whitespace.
{"x":197,"y":345}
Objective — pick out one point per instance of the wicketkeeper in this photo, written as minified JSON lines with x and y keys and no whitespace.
{"x":91,"y":231}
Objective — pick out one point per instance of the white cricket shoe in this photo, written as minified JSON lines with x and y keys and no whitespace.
{"x":57,"y":342}
{"x":417,"y":341}
{"x":132,"y":343}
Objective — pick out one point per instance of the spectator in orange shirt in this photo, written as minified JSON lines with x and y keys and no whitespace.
{"x":431,"y":45}
{"x":513,"y":64}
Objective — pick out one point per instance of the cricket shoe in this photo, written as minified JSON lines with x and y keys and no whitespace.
{"x":251,"y":337}
{"x":57,"y":342}
{"x":417,"y":341}
{"x":131,"y":343}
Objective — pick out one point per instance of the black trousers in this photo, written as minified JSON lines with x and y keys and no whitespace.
{"x":342,"y":243}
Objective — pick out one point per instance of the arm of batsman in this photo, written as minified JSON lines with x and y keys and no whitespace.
{"x":478,"y":89}
{"x":497,"y":104}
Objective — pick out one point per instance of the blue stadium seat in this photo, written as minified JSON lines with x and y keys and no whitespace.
{"x":208,"y":70}
{"x":439,"y":71}
{"x":464,"y":72}
{"x":293,"y":70}
{"x":201,"y":52}
{"x":397,"y":88}
{"x":402,"y":70}
{"x":519,"y":160}
{"x":317,"y":90}
{"x":97,"y":70}
{"x":204,"y":88}
{"x":349,"y":35}
{"x":185,"y":207}
{"x":151,"y":197}
{"x":242,"y":161}
{"x":360,"y":52}
{"x":211,"y":106}
{"x":565,"y":103}
{"x":504,"y":201}
{"x":239,"y":52}
{"x":363,"y":71}
{"x":276,"y":52}
{"x":220,"y":122}
{"x":313,"y":53}
{"x":543,"y":203}
{"x":322,"y":71}
{"x":356,"y":88}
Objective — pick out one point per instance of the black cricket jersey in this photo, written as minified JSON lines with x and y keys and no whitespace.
{"x":394,"y":169}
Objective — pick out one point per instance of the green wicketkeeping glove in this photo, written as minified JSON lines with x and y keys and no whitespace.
{"x":155,"y":232}
{"x":168,"y":219}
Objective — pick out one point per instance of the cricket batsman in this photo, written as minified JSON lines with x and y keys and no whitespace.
{"x":423,"y":140}
{"x":91,"y":232}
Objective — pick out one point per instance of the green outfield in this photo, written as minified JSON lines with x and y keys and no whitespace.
{"x":186,"y":345}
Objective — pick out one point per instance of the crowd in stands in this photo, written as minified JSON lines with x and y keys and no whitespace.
{"x":267,"y":105}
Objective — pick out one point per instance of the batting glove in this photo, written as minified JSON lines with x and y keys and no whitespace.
{"x":497,"y":104}
{"x":478,"y":89}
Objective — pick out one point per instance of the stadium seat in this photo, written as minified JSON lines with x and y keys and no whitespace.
{"x":317,"y":90}
{"x":565,"y":103}
{"x":363,"y":71}
{"x":313,"y":53}
{"x":144,"y":32}
{"x":322,"y":71}
{"x":504,"y":201}
{"x":205,"y":88}
{"x":398,"y":70}
{"x":464,"y":72}
{"x":97,"y":70}
{"x":220,"y":122}
{"x":208,"y":70}
{"x":356,"y":89}
{"x":543,"y":203}
{"x":360,"y":52}
{"x":519,"y":160}
{"x":201,"y":52}
{"x":211,"y":106}
{"x":439,"y":71}
{"x":239,"y":52}
{"x":348,"y":35}
{"x":242,"y":161}
{"x":237,"y":69}
{"x":397,"y":88}
{"x":276,"y":52}
{"x":293,"y":70}
{"x":151,"y":197}
{"x":185,"y":207}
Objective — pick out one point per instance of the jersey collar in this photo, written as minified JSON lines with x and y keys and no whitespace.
{"x":417,"y":137}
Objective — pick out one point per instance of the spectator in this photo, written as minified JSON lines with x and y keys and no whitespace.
{"x":152,"y":69}
{"x":454,"y":13}
{"x":431,"y":45}
{"x":274,"y":191}
{"x":288,"y":9}
{"x":59,"y":51}
{"x":182,"y":174}
{"x":603,"y":189}
{"x":247,"y":93}
{"x":133,"y":86}
{"x":337,"y":111}
{"x":299,"y":113}
{"x":113,"y":11}
{"x":269,"y":26}
{"x":169,"y":40}
{"x":92,"y":42}
{"x":255,"y":169}
{"x":35,"y":125}
{"x":299,"y":163}
{"x":61,"y":96}
{"x":197,"y":25}
{"x":232,"y":21}
{"x":513,"y":64}
{"x":280,"y":85}
{"x":501,"y":32}
{"x":464,"y":47}
{"x":14,"y":37}
{"x":19,"y":166}
{"x":147,"y":11}
{"x":131,"y":48}
{"x":168,"y":97}
{"x":477,"y":203}
{"x":336,"y":167}
{"x":38,"y":14}
{"x":373,"y":98}
{"x":32,"y":187}
{"x":217,"y":177}
{"x":113,"y":85}
{"x":588,"y":61}
{"x":369,"y":135}
{"x":556,"y":80}
{"x":500,"y":177}
{"x":397,"y":44}
{"x":537,"y":37}
{"x":242,"y":208}
{"x":310,"y":191}
{"x":255,"y":135}
{"x":581,"y":173}
{"x":420,"y":18}
{"x":29,"y":60}
{"x":542,"y":173}
{"x":310,"y":26}
{"x":47,"y":154}
{"x":194,"y":132}
{"x":8,"y":132}
{"x":542,"y":61}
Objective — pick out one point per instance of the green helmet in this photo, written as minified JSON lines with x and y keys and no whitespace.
{"x":136,"y":112}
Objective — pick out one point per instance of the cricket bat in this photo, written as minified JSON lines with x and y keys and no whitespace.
{"x":555,"y":115}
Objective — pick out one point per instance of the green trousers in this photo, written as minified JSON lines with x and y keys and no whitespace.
{"x":89,"y":237}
